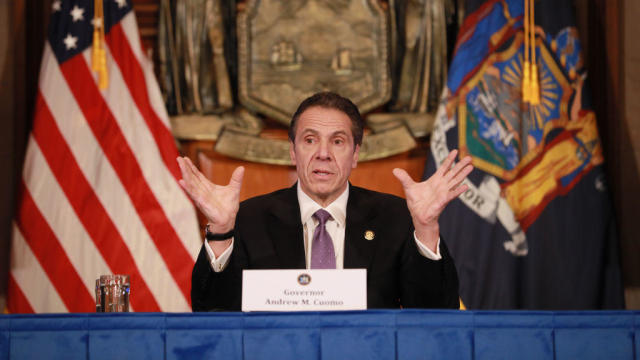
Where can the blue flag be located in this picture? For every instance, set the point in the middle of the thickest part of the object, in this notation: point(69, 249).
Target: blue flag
point(535, 229)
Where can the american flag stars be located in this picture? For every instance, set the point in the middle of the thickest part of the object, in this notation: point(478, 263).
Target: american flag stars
point(77, 13)
point(70, 41)
point(73, 23)
point(56, 6)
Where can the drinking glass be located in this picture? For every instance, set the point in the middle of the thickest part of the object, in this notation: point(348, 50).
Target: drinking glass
point(112, 293)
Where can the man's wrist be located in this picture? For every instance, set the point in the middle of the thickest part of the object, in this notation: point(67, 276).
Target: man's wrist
point(425, 251)
point(212, 236)
point(429, 235)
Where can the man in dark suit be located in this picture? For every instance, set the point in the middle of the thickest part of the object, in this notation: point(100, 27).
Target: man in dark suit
point(324, 222)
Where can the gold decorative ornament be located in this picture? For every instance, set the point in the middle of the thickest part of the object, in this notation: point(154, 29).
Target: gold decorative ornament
point(419, 124)
point(208, 127)
point(244, 146)
point(369, 235)
point(289, 50)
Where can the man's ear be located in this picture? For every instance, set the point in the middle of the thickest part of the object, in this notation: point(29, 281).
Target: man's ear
point(356, 155)
point(292, 152)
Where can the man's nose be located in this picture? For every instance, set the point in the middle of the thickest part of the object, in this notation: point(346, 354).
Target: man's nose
point(323, 150)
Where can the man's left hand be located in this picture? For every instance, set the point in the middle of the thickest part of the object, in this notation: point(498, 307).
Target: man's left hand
point(427, 199)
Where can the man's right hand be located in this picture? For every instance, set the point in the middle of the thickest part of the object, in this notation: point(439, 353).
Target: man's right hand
point(218, 203)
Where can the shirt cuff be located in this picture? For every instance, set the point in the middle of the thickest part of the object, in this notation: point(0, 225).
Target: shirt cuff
point(220, 263)
point(425, 251)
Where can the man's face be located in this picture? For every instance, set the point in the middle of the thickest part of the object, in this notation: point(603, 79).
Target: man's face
point(323, 153)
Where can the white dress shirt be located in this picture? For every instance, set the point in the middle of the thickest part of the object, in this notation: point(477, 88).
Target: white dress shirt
point(335, 228)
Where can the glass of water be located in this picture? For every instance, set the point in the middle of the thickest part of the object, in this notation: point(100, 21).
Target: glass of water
point(112, 293)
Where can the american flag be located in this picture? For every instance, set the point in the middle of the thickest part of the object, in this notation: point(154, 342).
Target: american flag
point(99, 191)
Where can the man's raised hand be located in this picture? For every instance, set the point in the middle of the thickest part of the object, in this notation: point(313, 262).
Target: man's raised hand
point(218, 203)
point(427, 199)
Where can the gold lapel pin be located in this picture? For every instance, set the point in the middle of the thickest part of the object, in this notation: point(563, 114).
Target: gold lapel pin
point(369, 234)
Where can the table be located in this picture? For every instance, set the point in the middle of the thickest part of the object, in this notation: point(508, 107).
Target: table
point(373, 334)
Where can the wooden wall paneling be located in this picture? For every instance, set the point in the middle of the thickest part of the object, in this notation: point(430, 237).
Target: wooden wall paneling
point(609, 27)
point(7, 149)
point(606, 22)
point(36, 22)
point(147, 12)
point(26, 28)
point(629, 194)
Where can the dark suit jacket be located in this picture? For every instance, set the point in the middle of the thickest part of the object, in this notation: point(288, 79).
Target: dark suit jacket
point(269, 235)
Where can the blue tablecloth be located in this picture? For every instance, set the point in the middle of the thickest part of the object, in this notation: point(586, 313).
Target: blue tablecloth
point(393, 334)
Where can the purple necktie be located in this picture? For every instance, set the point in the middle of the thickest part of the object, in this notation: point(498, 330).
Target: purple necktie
point(322, 254)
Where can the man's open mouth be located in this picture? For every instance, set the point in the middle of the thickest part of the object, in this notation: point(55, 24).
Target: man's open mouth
point(322, 172)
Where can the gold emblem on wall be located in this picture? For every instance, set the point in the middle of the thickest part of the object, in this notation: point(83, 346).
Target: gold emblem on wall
point(289, 50)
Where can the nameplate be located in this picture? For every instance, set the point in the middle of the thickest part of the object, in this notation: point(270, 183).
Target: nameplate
point(304, 290)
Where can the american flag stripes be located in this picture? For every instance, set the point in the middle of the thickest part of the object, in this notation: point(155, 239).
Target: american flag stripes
point(99, 191)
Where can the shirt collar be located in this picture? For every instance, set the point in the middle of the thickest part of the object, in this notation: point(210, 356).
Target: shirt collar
point(337, 209)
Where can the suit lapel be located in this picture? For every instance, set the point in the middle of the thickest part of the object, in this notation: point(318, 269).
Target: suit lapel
point(285, 229)
point(358, 251)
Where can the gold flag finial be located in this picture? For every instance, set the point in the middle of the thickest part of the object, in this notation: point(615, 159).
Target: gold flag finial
point(98, 52)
